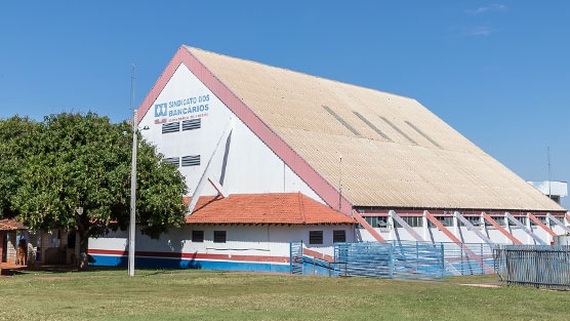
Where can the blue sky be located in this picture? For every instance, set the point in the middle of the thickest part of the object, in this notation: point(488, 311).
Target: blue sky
point(498, 72)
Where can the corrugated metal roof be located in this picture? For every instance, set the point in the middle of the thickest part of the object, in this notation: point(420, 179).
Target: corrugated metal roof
point(397, 154)
point(278, 208)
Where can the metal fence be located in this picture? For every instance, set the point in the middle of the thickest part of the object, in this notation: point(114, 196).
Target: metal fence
point(468, 259)
point(533, 265)
point(404, 260)
point(310, 265)
point(365, 259)
point(296, 257)
point(418, 261)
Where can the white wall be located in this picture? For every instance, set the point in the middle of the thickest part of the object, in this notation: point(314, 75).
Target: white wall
point(267, 240)
point(251, 167)
point(557, 188)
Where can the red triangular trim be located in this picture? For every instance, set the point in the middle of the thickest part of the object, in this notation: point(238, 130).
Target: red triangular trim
point(305, 171)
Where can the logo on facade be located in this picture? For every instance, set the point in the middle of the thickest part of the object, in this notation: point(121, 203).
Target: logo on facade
point(182, 109)
point(161, 110)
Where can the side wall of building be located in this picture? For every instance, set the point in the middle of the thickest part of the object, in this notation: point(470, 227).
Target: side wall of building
point(246, 247)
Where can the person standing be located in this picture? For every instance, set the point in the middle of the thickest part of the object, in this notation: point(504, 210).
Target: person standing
point(22, 249)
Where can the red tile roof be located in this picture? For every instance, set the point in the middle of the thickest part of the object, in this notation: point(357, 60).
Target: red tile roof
point(275, 208)
point(11, 225)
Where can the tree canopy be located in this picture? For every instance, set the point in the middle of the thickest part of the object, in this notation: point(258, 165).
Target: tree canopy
point(49, 169)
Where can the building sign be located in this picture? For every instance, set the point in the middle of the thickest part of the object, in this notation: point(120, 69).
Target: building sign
point(181, 109)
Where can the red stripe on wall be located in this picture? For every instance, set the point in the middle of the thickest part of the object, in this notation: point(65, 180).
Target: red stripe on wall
point(367, 226)
point(307, 173)
point(539, 223)
point(318, 255)
point(501, 229)
point(457, 241)
point(197, 256)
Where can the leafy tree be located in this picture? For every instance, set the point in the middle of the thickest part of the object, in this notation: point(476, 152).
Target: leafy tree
point(16, 135)
point(84, 161)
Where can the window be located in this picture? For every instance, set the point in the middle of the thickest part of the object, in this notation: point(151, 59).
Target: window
point(501, 220)
point(424, 134)
point(219, 236)
point(173, 160)
point(521, 219)
point(339, 236)
point(445, 220)
point(193, 160)
point(543, 220)
point(197, 236)
point(413, 221)
point(315, 237)
point(170, 127)
point(376, 221)
point(342, 121)
point(474, 220)
point(372, 220)
point(191, 124)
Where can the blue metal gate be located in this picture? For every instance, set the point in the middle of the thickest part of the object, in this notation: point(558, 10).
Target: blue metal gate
point(296, 257)
point(401, 260)
point(411, 260)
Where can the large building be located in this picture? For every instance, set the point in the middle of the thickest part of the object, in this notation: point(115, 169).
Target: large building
point(553, 189)
point(273, 156)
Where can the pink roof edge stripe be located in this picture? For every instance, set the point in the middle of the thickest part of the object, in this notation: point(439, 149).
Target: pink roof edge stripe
point(183, 56)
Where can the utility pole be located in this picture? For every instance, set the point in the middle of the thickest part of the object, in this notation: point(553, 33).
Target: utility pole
point(132, 222)
point(340, 183)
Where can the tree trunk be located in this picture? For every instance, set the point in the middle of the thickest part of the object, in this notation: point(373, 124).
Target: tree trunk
point(83, 247)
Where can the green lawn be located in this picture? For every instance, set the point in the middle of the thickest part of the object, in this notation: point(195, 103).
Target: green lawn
point(211, 295)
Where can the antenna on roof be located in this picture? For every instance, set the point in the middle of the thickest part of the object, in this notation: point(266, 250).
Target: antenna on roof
point(133, 79)
point(549, 174)
point(340, 183)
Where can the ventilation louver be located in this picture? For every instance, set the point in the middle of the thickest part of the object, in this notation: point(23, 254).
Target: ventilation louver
point(170, 127)
point(173, 160)
point(191, 124)
point(193, 160)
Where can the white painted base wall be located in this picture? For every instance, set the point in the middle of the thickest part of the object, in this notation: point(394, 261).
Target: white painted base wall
point(247, 244)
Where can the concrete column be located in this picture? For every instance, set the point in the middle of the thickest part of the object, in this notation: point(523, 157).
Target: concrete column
point(549, 224)
point(11, 248)
point(392, 225)
point(483, 225)
point(456, 227)
point(529, 239)
point(507, 228)
point(425, 227)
